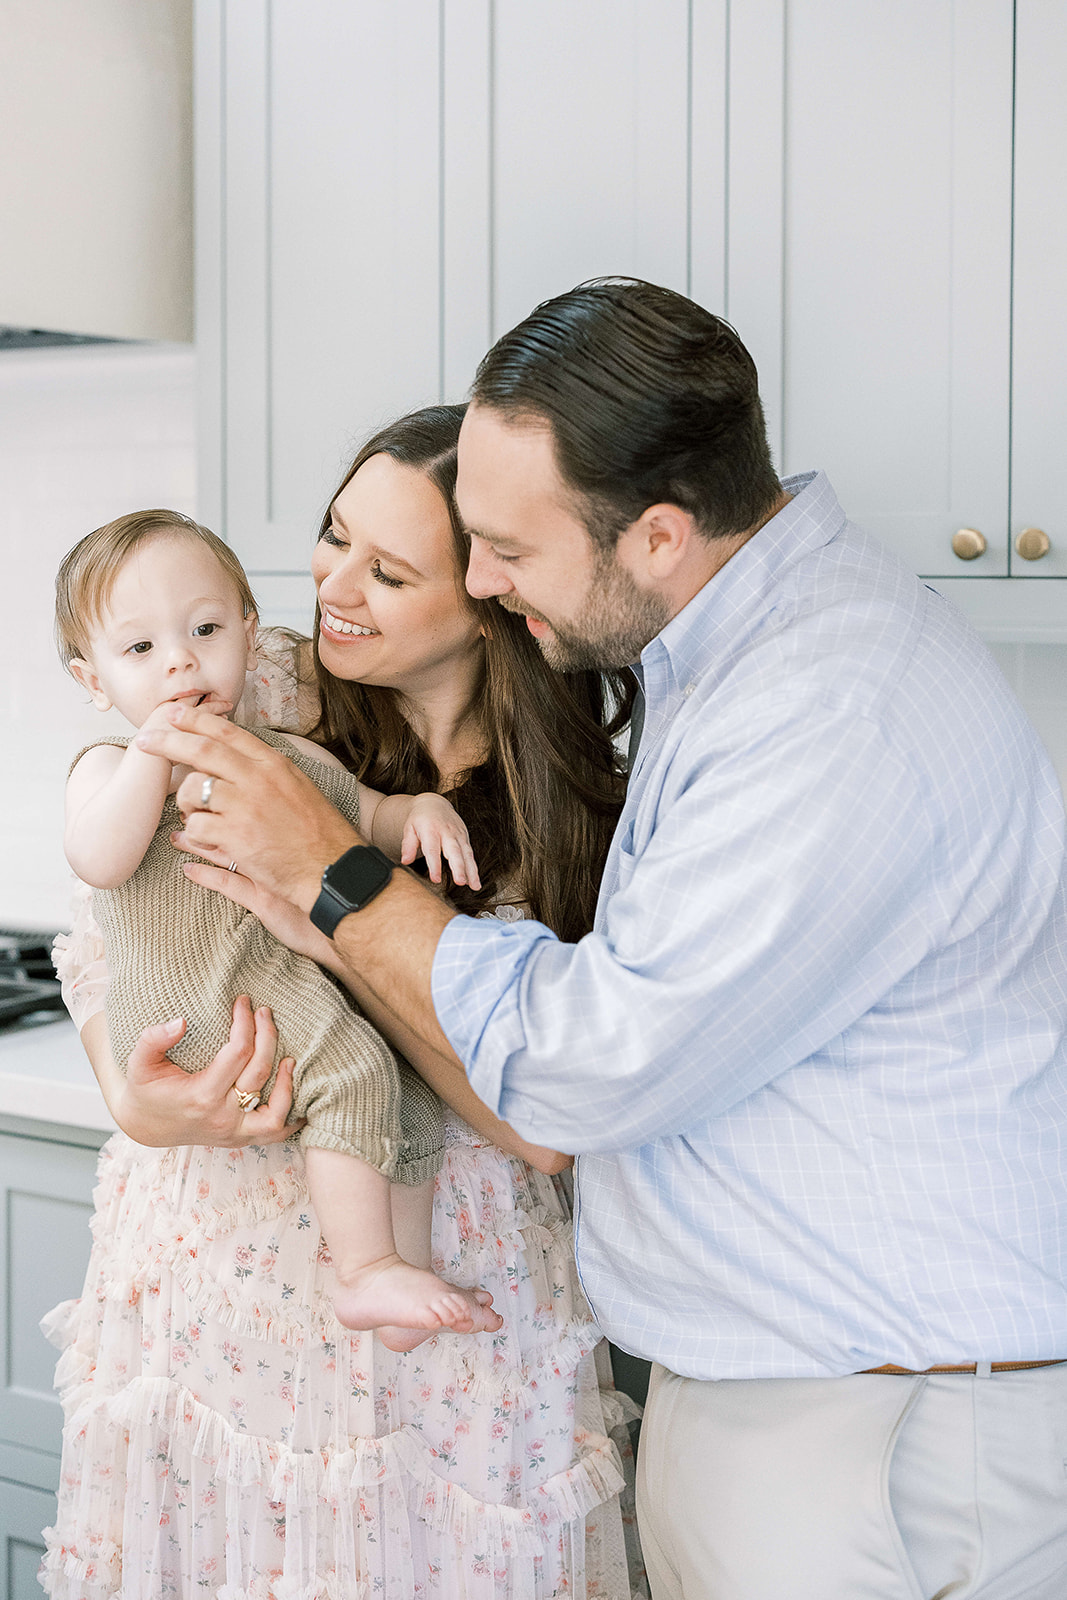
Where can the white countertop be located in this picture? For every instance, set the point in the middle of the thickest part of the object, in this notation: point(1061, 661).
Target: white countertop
point(45, 1075)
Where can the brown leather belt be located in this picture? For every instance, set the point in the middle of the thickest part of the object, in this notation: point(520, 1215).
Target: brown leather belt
point(994, 1366)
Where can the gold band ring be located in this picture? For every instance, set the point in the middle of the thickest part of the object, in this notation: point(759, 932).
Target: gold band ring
point(247, 1102)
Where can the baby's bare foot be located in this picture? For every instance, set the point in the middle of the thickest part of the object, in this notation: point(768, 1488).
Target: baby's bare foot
point(403, 1339)
point(391, 1293)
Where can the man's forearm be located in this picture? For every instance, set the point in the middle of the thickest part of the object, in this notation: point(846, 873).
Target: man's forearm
point(389, 946)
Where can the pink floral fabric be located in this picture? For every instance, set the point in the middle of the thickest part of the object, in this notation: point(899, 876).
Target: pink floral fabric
point(226, 1436)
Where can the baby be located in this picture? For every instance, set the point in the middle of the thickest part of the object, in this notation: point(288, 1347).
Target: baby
point(151, 610)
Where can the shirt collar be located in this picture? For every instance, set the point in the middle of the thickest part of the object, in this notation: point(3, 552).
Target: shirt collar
point(744, 588)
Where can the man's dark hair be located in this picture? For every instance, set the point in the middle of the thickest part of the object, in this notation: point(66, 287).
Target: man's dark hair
point(649, 397)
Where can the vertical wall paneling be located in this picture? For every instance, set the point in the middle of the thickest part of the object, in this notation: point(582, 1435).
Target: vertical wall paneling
point(1039, 409)
point(755, 205)
point(466, 183)
point(707, 153)
point(897, 241)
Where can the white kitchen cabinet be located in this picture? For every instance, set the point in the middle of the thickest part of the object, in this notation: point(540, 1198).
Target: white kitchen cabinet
point(1039, 331)
point(23, 1513)
point(46, 1183)
point(384, 189)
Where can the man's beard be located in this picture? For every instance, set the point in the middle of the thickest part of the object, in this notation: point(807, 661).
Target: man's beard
point(613, 627)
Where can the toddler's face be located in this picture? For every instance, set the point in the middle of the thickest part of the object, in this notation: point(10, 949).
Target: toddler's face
point(172, 630)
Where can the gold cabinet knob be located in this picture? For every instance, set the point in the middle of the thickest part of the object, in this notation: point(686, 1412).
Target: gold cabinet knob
point(968, 544)
point(1033, 543)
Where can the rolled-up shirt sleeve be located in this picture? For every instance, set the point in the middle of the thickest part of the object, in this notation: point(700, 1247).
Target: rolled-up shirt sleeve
point(775, 886)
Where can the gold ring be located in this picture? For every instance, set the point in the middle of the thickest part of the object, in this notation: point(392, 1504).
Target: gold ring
point(247, 1102)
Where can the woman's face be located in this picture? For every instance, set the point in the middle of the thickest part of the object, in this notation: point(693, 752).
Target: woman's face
point(392, 601)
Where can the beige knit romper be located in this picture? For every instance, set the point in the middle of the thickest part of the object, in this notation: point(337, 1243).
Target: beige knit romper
point(175, 949)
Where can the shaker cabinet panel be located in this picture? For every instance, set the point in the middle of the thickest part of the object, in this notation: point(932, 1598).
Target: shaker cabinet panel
point(331, 275)
point(23, 1513)
point(590, 153)
point(1039, 355)
point(45, 1207)
point(896, 303)
point(383, 189)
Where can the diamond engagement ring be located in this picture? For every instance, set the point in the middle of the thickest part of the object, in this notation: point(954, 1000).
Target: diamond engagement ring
point(205, 793)
point(247, 1102)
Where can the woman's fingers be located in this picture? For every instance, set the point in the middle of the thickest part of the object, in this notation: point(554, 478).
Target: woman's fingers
point(149, 1054)
point(270, 1119)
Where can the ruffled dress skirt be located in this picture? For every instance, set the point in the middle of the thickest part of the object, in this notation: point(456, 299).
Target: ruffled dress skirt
point(226, 1437)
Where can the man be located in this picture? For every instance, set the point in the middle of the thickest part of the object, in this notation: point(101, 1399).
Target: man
point(812, 1057)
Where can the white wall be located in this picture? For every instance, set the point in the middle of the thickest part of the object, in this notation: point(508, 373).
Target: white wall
point(85, 435)
point(96, 177)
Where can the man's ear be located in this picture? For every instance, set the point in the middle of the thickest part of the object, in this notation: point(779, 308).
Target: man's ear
point(656, 544)
point(83, 673)
point(251, 631)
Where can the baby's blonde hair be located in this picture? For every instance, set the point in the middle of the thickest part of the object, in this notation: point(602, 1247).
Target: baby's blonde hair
point(87, 573)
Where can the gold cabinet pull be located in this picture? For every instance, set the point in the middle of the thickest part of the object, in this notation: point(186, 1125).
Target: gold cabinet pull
point(1033, 543)
point(968, 544)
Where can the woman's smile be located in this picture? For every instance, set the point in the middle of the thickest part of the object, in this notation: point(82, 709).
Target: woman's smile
point(338, 628)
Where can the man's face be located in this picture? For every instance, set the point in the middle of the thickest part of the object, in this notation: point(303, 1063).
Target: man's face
point(531, 551)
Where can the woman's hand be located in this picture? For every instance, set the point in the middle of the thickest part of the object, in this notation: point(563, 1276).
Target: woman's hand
point(162, 1105)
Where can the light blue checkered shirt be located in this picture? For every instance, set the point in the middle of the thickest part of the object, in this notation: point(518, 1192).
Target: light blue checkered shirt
point(812, 1056)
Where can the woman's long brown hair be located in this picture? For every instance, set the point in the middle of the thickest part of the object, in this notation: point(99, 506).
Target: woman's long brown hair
point(542, 807)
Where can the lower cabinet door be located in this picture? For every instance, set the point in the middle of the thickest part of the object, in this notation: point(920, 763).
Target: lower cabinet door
point(45, 1205)
point(23, 1513)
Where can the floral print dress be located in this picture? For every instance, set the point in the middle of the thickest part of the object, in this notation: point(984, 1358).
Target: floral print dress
point(225, 1436)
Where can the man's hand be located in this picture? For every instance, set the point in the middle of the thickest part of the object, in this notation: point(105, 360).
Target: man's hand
point(162, 1105)
point(280, 917)
point(263, 813)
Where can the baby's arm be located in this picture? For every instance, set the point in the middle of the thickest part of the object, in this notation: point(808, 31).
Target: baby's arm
point(114, 801)
point(407, 826)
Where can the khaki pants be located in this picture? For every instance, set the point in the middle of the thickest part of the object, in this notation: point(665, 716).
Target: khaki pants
point(947, 1487)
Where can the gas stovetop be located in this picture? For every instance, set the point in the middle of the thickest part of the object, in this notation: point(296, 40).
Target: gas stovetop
point(29, 988)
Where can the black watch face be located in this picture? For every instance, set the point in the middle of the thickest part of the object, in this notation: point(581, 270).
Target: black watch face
point(359, 875)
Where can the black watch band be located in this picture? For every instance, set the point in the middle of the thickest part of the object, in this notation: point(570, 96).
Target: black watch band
point(349, 884)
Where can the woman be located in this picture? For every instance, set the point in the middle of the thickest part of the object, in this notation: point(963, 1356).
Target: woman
point(242, 1443)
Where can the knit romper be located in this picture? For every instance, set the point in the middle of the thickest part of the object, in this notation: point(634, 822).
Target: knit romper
point(176, 949)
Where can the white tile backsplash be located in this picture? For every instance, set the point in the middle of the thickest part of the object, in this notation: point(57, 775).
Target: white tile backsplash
point(85, 435)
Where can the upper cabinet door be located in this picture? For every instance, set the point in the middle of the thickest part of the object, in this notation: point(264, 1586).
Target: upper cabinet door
point(1039, 345)
point(319, 263)
point(884, 157)
point(383, 189)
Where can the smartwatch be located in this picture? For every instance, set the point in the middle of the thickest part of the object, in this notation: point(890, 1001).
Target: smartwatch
point(349, 884)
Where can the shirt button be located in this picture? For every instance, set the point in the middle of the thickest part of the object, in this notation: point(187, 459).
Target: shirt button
point(687, 691)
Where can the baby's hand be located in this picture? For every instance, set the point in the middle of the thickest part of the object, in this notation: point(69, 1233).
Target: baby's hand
point(159, 718)
point(435, 829)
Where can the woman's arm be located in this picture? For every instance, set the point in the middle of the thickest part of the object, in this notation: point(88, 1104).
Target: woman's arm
point(97, 1047)
point(440, 1072)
